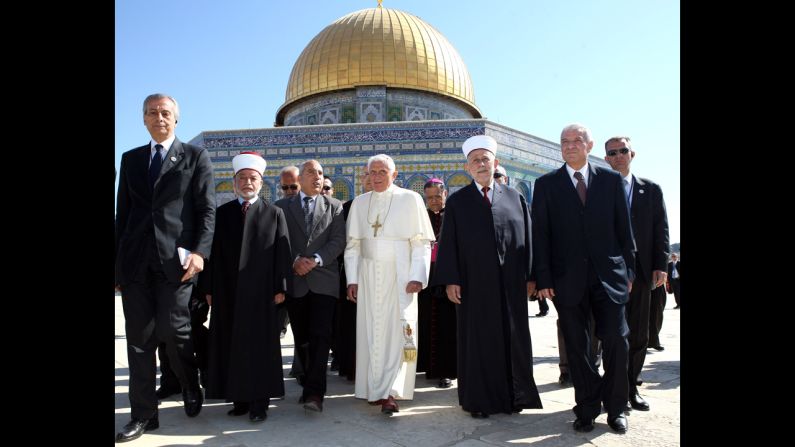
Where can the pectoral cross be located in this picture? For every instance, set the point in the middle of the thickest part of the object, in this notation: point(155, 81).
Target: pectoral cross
point(376, 226)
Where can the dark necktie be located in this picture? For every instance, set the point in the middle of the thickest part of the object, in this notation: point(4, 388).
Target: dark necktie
point(154, 167)
point(307, 215)
point(485, 190)
point(580, 186)
point(246, 205)
point(628, 191)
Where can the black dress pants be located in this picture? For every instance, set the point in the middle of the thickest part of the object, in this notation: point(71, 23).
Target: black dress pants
point(199, 309)
point(656, 310)
point(590, 389)
point(638, 320)
point(311, 318)
point(156, 309)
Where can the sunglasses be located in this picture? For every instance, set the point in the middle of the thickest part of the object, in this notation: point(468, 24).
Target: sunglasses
point(613, 153)
point(498, 175)
point(286, 187)
point(326, 188)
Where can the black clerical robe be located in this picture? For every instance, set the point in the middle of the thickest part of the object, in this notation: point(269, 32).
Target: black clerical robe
point(250, 264)
point(487, 251)
point(436, 353)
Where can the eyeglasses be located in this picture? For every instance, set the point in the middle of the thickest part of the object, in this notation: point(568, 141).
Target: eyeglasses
point(613, 153)
point(286, 187)
point(478, 161)
point(245, 180)
point(498, 175)
point(326, 188)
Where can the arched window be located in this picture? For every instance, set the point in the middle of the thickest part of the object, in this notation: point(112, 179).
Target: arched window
point(416, 184)
point(342, 189)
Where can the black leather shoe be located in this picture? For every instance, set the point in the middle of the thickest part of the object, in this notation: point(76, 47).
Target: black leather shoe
point(257, 417)
point(479, 415)
point(135, 428)
point(638, 403)
point(583, 425)
point(564, 380)
point(658, 348)
point(165, 392)
point(445, 383)
point(239, 409)
point(618, 424)
point(541, 314)
point(193, 400)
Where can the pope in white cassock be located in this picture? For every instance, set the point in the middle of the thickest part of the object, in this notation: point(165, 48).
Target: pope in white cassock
point(387, 260)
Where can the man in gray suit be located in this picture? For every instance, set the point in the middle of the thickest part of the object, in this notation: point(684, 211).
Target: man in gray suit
point(317, 236)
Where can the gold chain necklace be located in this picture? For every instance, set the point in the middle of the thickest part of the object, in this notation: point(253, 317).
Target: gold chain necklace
point(377, 225)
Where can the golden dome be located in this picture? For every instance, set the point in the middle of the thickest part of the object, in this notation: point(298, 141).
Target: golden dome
point(380, 46)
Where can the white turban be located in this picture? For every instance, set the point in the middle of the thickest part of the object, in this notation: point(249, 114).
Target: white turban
point(249, 160)
point(479, 142)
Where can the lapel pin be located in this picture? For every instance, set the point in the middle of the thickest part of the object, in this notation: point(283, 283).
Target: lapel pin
point(640, 191)
point(175, 159)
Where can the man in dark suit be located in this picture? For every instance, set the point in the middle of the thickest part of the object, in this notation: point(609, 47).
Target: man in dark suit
point(164, 230)
point(674, 277)
point(317, 237)
point(485, 260)
point(584, 261)
point(650, 228)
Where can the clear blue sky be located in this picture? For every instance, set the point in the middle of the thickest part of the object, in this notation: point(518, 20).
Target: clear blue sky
point(536, 66)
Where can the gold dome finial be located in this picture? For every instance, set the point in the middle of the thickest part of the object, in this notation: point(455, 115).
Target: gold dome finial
point(379, 3)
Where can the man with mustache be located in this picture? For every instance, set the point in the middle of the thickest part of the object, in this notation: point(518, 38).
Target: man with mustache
point(485, 262)
point(317, 236)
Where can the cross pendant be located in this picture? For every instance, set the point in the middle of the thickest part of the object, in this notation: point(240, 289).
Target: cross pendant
point(376, 226)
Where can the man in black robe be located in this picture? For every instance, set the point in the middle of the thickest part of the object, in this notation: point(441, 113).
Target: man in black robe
point(245, 281)
point(436, 314)
point(485, 260)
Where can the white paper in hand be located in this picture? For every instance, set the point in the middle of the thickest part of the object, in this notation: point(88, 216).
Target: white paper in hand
point(183, 256)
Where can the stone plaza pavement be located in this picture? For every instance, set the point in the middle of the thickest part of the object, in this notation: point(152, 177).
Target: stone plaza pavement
point(433, 418)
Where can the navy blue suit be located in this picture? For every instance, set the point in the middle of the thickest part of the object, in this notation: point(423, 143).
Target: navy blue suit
point(586, 254)
point(650, 228)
